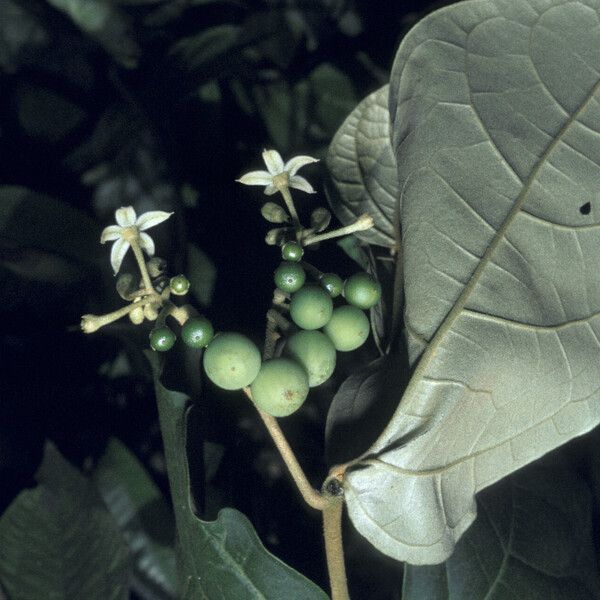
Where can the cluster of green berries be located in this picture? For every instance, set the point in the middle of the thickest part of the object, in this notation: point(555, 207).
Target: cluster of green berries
point(279, 386)
point(197, 331)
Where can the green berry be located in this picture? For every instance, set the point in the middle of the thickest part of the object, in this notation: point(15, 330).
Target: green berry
point(362, 290)
point(280, 388)
point(311, 307)
point(315, 352)
point(289, 277)
point(292, 251)
point(197, 332)
point(162, 339)
point(179, 285)
point(348, 328)
point(332, 283)
point(231, 361)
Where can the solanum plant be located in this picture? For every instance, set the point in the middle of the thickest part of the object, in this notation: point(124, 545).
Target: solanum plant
point(277, 385)
point(474, 175)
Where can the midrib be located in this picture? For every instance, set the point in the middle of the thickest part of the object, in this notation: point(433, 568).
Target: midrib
point(457, 309)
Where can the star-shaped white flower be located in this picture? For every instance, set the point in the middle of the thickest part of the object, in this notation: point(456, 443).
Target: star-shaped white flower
point(131, 227)
point(276, 167)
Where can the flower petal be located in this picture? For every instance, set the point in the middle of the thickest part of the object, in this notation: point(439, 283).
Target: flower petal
point(147, 244)
point(273, 161)
point(299, 183)
point(110, 234)
point(117, 254)
point(125, 216)
point(256, 178)
point(151, 218)
point(297, 162)
point(270, 190)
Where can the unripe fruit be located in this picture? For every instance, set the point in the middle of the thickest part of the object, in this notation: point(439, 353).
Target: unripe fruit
point(292, 251)
point(162, 339)
point(311, 307)
point(280, 388)
point(289, 277)
point(362, 290)
point(197, 332)
point(315, 352)
point(332, 283)
point(179, 285)
point(231, 361)
point(348, 328)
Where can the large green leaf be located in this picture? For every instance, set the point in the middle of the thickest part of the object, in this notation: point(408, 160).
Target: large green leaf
point(495, 119)
point(143, 516)
point(221, 559)
point(532, 539)
point(362, 167)
point(58, 542)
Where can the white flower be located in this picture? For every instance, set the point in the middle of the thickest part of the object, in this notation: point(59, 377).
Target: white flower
point(276, 167)
point(131, 228)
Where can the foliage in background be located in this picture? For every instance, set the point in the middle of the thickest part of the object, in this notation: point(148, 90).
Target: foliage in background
point(162, 105)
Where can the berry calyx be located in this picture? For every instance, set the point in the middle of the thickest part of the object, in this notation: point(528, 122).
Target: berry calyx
point(197, 332)
point(348, 328)
point(280, 388)
point(362, 290)
point(162, 339)
point(292, 251)
point(289, 277)
point(311, 307)
point(179, 285)
point(315, 352)
point(231, 361)
point(332, 283)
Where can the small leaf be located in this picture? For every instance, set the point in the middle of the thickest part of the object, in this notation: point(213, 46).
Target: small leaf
point(145, 519)
point(532, 539)
point(362, 167)
point(58, 541)
point(352, 246)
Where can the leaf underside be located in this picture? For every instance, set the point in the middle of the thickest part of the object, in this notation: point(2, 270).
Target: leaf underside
point(495, 120)
point(362, 167)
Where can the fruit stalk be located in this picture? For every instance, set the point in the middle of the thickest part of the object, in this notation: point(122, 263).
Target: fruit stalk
point(311, 496)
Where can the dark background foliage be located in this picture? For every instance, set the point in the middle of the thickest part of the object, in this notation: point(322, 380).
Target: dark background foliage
point(161, 105)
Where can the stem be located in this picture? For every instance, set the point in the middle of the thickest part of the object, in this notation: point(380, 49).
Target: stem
point(311, 496)
point(139, 256)
point(91, 323)
point(361, 224)
point(334, 550)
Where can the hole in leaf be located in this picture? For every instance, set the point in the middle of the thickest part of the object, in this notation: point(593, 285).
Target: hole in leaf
point(585, 209)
